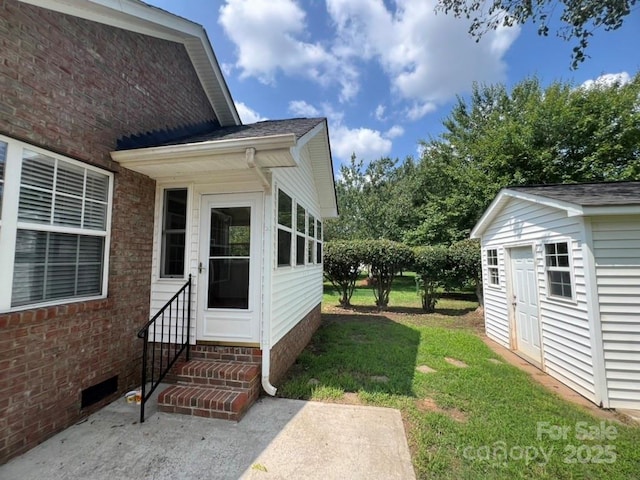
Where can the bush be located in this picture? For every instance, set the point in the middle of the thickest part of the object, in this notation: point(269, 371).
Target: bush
point(342, 260)
point(465, 266)
point(385, 258)
point(430, 264)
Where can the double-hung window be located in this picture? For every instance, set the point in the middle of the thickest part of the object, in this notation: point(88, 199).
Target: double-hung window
point(311, 239)
point(55, 225)
point(301, 230)
point(285, 228)
point(319, 242)
point(493, 273)
point(556, 259)
point(174, 228)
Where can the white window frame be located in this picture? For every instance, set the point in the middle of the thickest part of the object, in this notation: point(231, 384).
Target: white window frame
point(319, 242)
point(549, 269)
point(9, 224)
point(493, 268)
point(285, 228)
point(302, 234)
point(161, 263)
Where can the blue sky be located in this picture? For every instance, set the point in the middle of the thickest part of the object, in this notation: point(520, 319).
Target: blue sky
point(385, 73)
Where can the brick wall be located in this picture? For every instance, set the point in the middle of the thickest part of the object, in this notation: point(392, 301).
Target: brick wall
point(74, 87)
point(285, 352)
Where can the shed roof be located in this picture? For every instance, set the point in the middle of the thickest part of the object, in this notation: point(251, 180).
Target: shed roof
point(588, 194)
point(579, 199)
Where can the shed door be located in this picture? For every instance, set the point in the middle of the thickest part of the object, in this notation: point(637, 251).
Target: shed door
point(229, 268)
point(525, 303)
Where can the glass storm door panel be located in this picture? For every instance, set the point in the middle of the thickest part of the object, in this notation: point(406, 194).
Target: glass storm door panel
point(229, 278)
point(229, 258)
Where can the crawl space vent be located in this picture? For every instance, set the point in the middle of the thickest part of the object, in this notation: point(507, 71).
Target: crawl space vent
point(99, 391)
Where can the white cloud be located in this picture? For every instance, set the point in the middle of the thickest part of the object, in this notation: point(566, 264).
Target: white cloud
point(247, 114)
point(394, 132)
point(429, 58)
point(608, 80)
point(303, 109)
point(419, 110)
point(366, 143)
point(271, 37)
point(379, 113)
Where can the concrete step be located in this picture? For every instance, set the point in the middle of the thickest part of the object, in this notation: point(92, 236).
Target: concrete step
point(205, 401)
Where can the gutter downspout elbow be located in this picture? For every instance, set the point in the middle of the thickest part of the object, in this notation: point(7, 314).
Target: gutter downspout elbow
point(266, 364)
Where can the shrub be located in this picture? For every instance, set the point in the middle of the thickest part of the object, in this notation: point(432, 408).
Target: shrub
point(385, 258)
point(465, 266)
point(430, 264)
point(342, 260)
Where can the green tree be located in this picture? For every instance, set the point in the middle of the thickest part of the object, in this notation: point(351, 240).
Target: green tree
point(464, 267)
point(579, 18)
point(529, 135)
point(372, 200)
point(385, 259)
point(341, 264)
point(430, 264)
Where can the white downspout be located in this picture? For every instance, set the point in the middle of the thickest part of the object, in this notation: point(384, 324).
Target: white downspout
point(267, 247)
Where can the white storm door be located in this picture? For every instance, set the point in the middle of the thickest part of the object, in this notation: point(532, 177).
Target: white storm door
point(229, 286)
point(525, 303)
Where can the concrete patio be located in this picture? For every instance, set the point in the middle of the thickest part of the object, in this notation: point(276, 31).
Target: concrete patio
point(277, 439)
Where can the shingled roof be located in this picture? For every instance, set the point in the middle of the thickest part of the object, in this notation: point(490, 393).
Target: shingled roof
point(209, 132)
point(588, 194)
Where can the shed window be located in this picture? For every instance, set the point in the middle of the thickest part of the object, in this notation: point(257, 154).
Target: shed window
point(492, 267)
point(558, 270)
point(55, 246)
point(174, 229)
point(285, 228)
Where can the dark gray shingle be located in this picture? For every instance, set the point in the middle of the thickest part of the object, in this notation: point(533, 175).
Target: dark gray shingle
point(588, 194)
point(267, 128)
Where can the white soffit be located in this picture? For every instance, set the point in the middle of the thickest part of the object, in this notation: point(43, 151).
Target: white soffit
point(208, 157)
point(141, 18)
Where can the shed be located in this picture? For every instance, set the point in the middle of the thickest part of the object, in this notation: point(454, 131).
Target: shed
point(561, 275)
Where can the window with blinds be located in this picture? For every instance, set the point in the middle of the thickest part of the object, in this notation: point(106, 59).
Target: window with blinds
point(59, 241)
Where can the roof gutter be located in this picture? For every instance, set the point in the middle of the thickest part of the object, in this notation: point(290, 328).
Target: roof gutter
point(211, 147)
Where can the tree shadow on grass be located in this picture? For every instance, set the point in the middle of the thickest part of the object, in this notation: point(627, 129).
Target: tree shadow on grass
point(372, 309)
point(356, 353)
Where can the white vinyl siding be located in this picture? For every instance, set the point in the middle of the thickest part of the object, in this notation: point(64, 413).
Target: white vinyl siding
point(162, 289)
point(296, 291)
point(54, 235)
point(564, 323)
point(616, 248)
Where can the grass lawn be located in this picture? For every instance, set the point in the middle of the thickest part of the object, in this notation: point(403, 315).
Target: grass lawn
point(483, 421)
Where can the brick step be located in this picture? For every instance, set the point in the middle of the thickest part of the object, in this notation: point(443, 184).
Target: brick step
point(209, 402)
point(217, 373)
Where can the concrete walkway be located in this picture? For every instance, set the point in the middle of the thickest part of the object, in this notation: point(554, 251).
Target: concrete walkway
point(277, 439)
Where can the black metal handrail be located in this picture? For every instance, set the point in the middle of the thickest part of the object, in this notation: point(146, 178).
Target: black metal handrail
point(167, 321)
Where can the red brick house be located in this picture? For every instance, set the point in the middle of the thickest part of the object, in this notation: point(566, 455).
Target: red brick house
point(124, 171)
